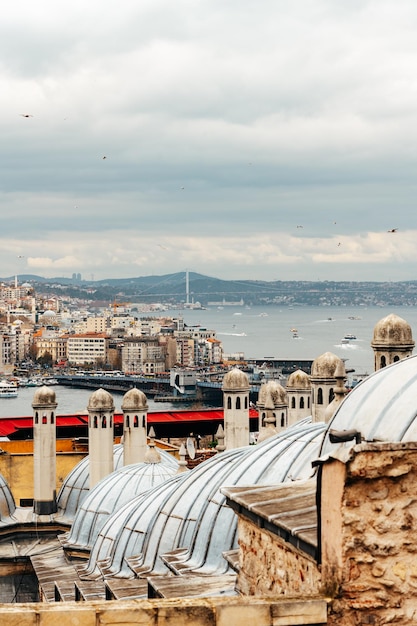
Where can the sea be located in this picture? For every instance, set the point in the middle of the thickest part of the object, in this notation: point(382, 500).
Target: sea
point(270, 332)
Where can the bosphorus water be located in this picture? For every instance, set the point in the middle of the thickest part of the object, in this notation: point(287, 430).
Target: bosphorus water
point(260, 333)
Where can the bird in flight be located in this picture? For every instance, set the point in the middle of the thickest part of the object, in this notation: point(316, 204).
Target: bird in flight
point(25, 115)
point(392, 230)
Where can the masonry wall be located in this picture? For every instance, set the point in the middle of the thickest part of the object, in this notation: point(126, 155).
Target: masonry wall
point(371, 566)
point(271, 567)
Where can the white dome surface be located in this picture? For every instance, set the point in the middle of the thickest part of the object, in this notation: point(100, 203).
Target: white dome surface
point(110, 494)
point(190, 512)
point(75, 487)
point(383, 407)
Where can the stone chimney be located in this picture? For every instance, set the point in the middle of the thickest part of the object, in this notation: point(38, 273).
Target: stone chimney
point(135, 413)
point(44, 451)
point(100, 435)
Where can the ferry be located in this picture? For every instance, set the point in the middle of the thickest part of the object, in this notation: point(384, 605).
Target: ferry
point(7, 390)
point(349, 336)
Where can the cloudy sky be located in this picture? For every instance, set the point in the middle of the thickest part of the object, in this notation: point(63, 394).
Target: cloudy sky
point(243, 139)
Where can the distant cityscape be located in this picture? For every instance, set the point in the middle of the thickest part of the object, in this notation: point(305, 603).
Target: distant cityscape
point(190, 288)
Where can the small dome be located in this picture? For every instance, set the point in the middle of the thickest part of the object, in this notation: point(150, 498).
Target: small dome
point(392, 330)
point(100, 399)
point(44, 395)
point(49, 313)
point(235, 380)
point(325, 365)
point(272, 391)
point(298, 380)
point(134, 400)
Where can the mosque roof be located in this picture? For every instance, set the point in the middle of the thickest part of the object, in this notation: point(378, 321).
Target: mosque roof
point(189, 511)
point(110, 494)
point(7, 504)
point(75, 487)
point(382, 407)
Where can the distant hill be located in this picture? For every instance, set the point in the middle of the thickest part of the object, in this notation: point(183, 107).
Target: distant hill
point(171, 289)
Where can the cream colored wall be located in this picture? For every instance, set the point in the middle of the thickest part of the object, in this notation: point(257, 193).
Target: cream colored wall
point(17, 470)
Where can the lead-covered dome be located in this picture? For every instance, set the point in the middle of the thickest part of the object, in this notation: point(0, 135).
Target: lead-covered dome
point(298, 380)
point(235, 380)
point(110, 494)
point(44, 395)
point(383, 407)
point(189, 511)
point(134, 400)
point(325, 365)
point(7, 504)
point(100, 399)
point(392, 330)
point(75, 487)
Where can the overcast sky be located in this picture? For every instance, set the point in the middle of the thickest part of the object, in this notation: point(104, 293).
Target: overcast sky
point(243, 139)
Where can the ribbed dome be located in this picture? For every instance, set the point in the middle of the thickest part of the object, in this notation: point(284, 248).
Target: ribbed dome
point(235, 380)
point(392, 330)
point(325, 365)
point(298, 380)
point(44, 395)
point(383, 407)
point(100, 399)
point(189, 510)
point(134, 400)
point(7, 505)
point(110, 494)
point(75, 487)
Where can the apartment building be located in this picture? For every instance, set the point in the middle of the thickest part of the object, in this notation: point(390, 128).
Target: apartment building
point(86, 348)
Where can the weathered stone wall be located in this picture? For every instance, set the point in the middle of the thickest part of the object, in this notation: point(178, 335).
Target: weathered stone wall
point(174, 612)
point(270, 566)
point(374, 578)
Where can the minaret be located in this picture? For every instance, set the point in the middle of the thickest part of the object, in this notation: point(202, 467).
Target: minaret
point(44, 451)
point(236, 409)
point(100, 435)
point(135, 412)
point(392, 341)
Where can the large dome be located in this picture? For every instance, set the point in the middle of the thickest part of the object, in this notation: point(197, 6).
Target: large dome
point(383, 407)
point(75, 488)
point(7, 504)
point(110, 494)
point(325, 365)
point(392, 330)
point(189, 511)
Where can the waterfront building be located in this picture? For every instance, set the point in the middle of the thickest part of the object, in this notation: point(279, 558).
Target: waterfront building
point(87, 348)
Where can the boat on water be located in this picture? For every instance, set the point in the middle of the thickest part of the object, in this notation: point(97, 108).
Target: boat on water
point(7, 390)
point(349, 336)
